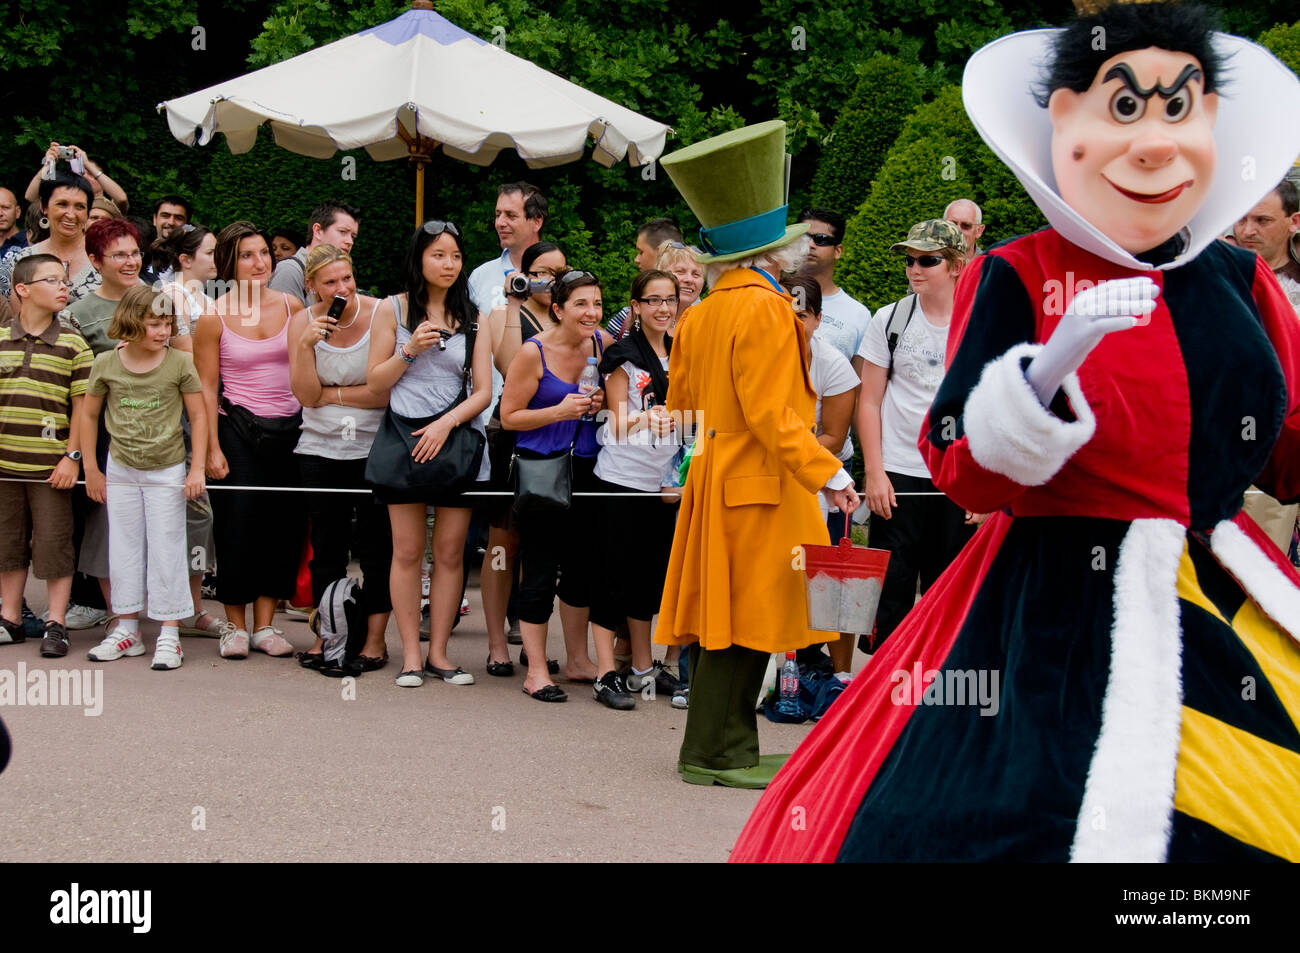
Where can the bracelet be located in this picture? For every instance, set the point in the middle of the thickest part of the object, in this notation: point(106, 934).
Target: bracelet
point(340, 390)
point(454, 421)
point(407, 357)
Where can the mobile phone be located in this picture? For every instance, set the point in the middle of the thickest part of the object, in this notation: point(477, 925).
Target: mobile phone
point(335, 311)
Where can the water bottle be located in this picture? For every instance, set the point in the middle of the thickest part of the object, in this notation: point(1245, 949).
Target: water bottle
point(788, 703)
point(589, 382)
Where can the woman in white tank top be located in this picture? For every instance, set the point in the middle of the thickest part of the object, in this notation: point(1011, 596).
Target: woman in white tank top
point(340, 414)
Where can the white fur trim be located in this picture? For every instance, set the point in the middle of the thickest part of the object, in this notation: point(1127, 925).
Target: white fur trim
point(1012, 433)
point(1128, 800)
point(1276, 595)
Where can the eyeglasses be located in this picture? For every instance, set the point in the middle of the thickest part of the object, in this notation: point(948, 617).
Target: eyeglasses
point(57, 282)
point(822, 239)
point(435, 228)
point(655, 302)
point(925, 261)
point(118, 257)
point(542, 273)
point(569, 277)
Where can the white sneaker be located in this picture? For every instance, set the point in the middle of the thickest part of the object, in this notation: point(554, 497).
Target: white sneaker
point(117, 643)
point(84, 617)
point(234, 642)
point(167, 654)
point(272, 641)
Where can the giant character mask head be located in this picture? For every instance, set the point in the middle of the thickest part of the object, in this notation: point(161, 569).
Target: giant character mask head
point(1133, 151)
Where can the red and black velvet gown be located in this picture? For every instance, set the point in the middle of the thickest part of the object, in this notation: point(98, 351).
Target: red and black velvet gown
point(1142, 631)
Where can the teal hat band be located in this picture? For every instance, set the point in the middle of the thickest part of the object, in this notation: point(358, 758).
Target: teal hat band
point(744, 234)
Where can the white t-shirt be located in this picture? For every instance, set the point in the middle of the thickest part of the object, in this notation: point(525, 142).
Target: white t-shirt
point(487, 283)
point(641, 460)
point(831, 374)
point(844, 322)
point(918, 371)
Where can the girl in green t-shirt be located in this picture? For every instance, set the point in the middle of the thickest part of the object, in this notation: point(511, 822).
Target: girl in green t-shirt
point(142, 384)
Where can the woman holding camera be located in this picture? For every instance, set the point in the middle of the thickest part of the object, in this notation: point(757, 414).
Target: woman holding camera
point(418, 345)
point(525, 314)
point(543, 402)
point(328, 356)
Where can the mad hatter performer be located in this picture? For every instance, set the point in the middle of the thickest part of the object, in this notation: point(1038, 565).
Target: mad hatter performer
point(1110, 670)
point(739, 366)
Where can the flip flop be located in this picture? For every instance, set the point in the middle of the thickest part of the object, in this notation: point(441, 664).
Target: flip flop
point(548, 693)
point(312, 660)
point(500, 669)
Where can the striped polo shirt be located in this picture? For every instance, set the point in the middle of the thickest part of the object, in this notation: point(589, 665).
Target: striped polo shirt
point(39, 376)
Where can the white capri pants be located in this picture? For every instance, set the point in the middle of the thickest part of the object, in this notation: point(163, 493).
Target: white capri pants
point(146, 541)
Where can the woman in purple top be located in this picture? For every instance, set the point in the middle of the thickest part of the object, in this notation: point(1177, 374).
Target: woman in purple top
point(542, 402)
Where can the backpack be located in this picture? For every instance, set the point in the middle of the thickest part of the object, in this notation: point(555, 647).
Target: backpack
point(342, 626)
point(895, 328)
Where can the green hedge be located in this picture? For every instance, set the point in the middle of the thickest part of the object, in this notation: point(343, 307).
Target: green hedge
point(937, 157)
point(867, 126)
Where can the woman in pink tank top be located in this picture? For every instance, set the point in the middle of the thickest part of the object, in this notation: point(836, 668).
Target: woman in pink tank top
point(241, 352)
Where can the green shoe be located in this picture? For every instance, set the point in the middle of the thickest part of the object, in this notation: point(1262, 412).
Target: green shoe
point(756, 777)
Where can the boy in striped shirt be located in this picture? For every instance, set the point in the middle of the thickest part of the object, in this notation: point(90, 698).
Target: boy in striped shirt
point(44, 369)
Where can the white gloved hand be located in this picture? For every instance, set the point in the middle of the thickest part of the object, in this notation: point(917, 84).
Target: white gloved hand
point(1107, 306)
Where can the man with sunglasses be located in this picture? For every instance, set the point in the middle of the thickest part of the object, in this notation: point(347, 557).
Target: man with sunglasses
point(844, 318)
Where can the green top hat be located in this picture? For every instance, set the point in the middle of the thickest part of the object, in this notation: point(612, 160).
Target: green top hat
point(735, 185)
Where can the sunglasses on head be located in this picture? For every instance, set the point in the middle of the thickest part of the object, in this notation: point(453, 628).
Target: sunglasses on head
point(925, 261)
point(435, 228)
point(822, 239)
point(569, 277)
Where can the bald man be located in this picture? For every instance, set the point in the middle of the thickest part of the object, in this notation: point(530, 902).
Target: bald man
point(967, 216)
point(10, 211)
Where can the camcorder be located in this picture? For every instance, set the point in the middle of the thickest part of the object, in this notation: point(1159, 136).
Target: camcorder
point(519, 285)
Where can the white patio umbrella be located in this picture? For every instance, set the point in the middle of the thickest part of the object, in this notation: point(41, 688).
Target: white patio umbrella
point(409, 86)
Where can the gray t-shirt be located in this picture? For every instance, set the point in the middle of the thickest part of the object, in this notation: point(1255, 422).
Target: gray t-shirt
point(290, 277)
point(144, 410)
point(93, 315)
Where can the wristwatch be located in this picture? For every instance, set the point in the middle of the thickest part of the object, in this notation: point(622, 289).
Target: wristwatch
point(74, 456)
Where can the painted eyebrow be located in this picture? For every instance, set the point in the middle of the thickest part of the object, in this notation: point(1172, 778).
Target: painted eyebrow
point(1124, 72)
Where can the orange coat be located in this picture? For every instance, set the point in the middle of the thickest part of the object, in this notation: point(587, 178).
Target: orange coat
point(740, 365)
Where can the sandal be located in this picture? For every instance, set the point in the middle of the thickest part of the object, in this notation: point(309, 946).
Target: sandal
point(547, 693)
point(552, 664)
point(366, 663)
point(312, 660)
point(501, 669)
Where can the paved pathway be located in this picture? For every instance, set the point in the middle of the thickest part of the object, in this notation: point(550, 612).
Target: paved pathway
point(259, 760)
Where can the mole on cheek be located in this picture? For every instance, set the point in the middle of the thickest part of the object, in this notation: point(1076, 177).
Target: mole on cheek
point(1077, 154)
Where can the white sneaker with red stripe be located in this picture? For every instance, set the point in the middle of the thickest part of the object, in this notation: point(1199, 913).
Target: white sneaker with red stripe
point(117, 643)
point(167, 654)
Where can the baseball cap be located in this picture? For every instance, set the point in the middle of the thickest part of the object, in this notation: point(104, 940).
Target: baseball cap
point(931, 235)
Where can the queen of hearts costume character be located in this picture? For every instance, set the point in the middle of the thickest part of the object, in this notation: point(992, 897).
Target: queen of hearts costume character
point(1110, 670)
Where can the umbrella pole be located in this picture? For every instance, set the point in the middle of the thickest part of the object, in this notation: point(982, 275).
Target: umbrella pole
point(419, 191)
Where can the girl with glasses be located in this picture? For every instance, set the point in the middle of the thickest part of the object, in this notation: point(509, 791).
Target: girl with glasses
point(638, 443)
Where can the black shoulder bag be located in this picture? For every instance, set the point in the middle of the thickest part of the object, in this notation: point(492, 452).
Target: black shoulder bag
point(545, 482)
point(455, 467)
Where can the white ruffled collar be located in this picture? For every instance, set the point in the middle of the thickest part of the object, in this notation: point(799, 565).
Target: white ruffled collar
point(1256, 136)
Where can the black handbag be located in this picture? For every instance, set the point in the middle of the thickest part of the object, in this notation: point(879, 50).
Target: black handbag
point(543, 482)
point(454, 469)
